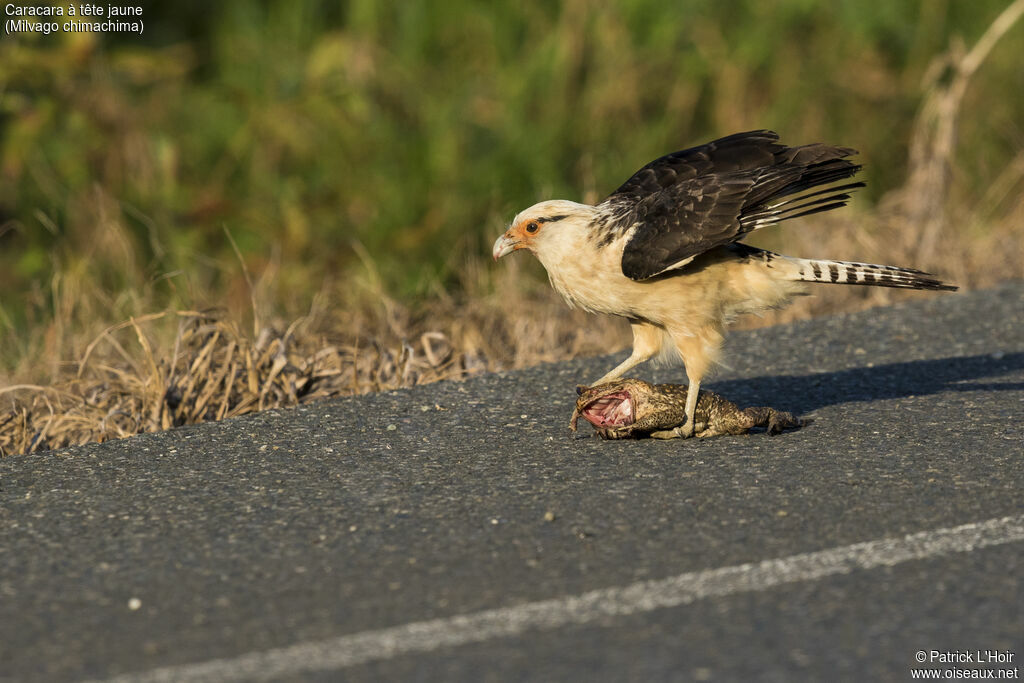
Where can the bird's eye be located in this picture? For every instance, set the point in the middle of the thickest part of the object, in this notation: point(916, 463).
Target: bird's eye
point(532, 226)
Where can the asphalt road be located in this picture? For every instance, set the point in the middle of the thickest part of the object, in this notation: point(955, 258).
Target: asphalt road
point(456, 531)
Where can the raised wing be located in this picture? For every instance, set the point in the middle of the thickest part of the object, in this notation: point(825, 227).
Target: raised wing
point(690, 201)
point(733, 153)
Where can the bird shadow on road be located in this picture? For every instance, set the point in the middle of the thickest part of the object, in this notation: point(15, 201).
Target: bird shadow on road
point(806, 393)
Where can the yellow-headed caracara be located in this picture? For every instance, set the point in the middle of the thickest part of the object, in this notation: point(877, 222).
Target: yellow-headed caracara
point(663, 250)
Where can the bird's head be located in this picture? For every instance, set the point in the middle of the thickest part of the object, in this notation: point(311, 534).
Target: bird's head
point(540, 223)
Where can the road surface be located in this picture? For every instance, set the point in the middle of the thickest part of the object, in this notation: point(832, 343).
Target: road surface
point(457, 532)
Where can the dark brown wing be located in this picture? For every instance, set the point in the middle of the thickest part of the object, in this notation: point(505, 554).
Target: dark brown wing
point(690, 201)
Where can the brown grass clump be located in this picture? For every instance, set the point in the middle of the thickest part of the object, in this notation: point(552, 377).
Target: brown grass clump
point(213, 372)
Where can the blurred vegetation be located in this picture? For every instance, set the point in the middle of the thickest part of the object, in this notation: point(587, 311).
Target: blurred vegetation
point(396, 138)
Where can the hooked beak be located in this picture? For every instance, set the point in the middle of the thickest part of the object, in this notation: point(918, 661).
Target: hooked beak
point(503, 245)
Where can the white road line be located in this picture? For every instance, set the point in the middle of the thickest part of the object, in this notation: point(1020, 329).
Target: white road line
point(425, 636)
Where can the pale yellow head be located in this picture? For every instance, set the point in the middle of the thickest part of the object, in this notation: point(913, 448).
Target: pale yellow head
point(541, 224)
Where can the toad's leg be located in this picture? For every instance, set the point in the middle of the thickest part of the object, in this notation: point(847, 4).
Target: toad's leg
point(774, 421)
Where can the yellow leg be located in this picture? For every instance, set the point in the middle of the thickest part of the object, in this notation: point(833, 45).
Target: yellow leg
point(686, 431)
point(697, 352)
point(647, 339)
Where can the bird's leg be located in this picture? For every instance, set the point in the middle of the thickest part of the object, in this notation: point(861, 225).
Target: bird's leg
point(698, 351)
point(686, 431)
point(619, 370)
point(647, 340)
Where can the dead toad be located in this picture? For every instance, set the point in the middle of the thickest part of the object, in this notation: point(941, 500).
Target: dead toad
point(632, 408)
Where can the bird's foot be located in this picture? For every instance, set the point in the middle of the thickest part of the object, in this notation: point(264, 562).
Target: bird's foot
point(682, 432)
point(686, 431)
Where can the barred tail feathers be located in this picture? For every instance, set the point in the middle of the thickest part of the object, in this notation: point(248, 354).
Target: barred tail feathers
point(841, 272)
point(851, 273)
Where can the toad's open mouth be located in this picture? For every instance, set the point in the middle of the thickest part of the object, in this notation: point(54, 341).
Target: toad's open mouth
point(611, 410)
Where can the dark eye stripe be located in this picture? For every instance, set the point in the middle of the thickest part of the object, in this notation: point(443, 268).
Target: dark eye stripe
point(549, 219)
